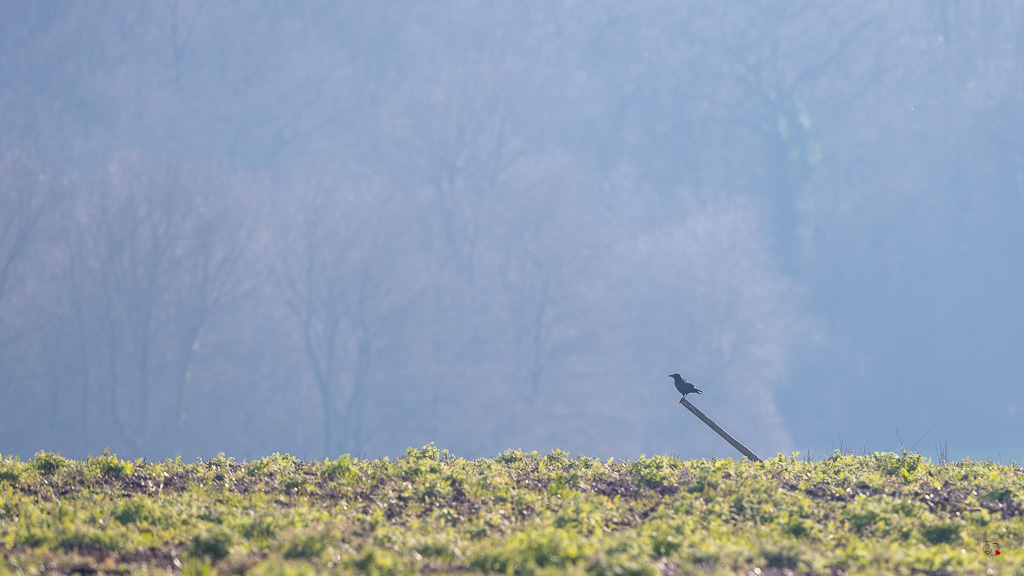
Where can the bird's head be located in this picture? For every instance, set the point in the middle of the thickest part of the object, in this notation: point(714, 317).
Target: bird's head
point(676, 375)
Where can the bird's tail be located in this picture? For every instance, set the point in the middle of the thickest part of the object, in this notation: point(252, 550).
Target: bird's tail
point(697, 391)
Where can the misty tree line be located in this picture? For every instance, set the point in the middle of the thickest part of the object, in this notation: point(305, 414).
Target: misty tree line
point(132, 294)
point(353, 228)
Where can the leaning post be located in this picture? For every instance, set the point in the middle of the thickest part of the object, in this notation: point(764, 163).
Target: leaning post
point(711, 423)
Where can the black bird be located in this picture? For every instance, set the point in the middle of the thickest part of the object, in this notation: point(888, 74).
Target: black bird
point(683, 386)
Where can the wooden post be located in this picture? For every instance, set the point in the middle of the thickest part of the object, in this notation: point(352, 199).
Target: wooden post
point(711, 423)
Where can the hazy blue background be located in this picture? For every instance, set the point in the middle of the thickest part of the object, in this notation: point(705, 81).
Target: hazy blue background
point(353, 227)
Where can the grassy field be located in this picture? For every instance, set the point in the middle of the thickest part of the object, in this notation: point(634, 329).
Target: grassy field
point(520, 513)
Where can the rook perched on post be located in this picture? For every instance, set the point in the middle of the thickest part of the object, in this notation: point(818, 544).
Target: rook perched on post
point(683, 386)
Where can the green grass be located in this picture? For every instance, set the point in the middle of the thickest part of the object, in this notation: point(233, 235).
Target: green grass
point(519, 513)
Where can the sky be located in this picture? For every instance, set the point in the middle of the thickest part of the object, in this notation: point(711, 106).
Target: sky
point(353, 227)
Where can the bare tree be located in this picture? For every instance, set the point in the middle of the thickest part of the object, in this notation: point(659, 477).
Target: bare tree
point(775, 83)
point(156, 251)
point(215, 262)
point(350, 274)
point(459, 142)
point(31, 199)
point(26, 195)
